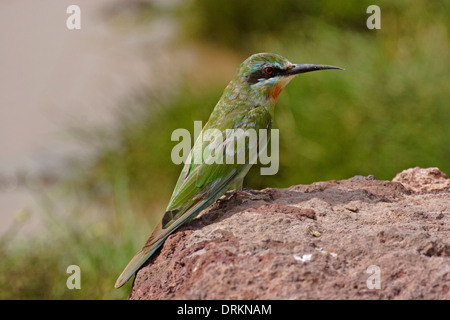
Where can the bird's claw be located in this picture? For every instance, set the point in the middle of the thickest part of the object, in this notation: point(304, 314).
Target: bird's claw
point(249, 194)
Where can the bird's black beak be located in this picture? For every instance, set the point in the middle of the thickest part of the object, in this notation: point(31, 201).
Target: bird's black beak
point(302, 68)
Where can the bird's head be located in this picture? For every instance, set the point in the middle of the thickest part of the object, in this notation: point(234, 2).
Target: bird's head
point(266, 74)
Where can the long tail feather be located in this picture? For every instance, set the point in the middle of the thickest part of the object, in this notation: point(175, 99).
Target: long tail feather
point(138, 260)
point(159, 235)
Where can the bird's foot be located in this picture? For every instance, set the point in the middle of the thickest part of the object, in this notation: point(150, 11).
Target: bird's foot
point(226, 197)
point(249, 194)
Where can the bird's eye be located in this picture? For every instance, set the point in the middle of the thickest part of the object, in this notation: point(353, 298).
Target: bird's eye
point(268, 70)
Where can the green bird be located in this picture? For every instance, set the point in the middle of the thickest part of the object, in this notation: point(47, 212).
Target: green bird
point(247, 103)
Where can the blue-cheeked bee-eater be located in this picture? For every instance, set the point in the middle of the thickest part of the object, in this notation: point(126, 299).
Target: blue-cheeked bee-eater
point(247, 103)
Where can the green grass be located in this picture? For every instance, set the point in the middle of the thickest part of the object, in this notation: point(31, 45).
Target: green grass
point(99, 238)
point(388, 111)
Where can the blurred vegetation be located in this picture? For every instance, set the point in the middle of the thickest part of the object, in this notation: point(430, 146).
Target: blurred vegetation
point(388, 111)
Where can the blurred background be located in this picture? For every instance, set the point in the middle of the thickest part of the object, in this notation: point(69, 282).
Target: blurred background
point(86, 115)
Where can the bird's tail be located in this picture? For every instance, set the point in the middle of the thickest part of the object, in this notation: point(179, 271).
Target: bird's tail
point(159, 235)
point(138, 260)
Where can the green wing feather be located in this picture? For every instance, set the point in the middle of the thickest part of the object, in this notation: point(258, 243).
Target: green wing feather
point(200, 181)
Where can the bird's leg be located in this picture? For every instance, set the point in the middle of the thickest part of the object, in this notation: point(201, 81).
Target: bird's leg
point(246, 193)
point(235, 187)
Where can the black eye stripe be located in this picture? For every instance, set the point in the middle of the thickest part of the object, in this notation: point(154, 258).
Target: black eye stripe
point(261, 74)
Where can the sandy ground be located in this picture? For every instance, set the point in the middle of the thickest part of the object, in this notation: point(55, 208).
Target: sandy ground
point(53, 78)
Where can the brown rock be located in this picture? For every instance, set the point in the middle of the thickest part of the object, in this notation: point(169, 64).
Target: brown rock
point(255, 249)
point(418, 179)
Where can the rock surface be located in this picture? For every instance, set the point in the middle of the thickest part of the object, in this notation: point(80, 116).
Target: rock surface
point(359, 238)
